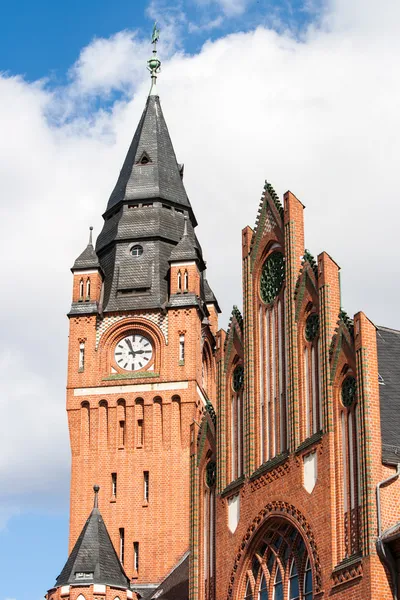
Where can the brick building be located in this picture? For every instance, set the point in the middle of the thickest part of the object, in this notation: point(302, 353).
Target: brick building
point(257, 463)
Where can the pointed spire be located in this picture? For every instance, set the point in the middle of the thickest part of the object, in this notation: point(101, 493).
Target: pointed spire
point(88, 258)
point(185, 250)
point(154, 63)
point(93, 555)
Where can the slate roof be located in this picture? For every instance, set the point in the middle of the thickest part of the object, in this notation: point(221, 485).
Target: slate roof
point(209, 295)
point(87, 260)
point(160, 177)
point(176, 585)
point(93, 553)
point(388, 341)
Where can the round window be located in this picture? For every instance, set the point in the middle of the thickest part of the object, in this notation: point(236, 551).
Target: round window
point(238, 378)
point(137, 250)
point(349, 390)
point(272, 276)
point(312, 327)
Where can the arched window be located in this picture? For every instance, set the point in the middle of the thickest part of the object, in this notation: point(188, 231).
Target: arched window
point(87, 288)
point(85, 423)
point(209, 528)
point(81, 289)
point(186, 281)
point(176, 420)
point(311, 379)
point(277, 563)
point(121, 423)
point(237, 422)
point(103, 424)
point(139, 418)
point(350, 466)
point(157, 419)
point(272, 357)
point(179, 280)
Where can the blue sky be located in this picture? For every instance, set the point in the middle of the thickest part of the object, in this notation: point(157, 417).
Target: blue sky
point(286, 83)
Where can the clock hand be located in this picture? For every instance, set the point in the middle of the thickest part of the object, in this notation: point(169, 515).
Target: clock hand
point(128, 343)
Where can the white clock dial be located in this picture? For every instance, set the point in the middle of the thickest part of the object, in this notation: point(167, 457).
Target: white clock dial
point(133, 352)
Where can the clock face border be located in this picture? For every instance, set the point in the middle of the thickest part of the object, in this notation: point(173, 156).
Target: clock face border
point(125, 348)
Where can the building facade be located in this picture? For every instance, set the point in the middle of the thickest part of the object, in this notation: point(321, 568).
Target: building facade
point(257, 463)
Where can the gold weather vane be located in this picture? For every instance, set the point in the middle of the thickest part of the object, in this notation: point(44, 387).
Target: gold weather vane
point(154, 63)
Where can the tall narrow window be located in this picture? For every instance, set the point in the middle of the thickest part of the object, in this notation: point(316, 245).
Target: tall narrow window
point(181, 347)
point(274, 394)
point(81, 289)
point(239, 435)
point(268, 384)
point(114, 484)
point(262, 404)
point(121, 423)
point(233, 436)
point(81, 356)
point(294, 593)
point(146, 486)
point(278, 586)
point(307, 585)
point(179, 281)
point(122, 545)
point(186, 281)
point(88, 288)
point(351, 461)
point(136, 557)
point(85, 423)
point(282, 408)
point(344, 462)
point(139, 433)
point(307, 392)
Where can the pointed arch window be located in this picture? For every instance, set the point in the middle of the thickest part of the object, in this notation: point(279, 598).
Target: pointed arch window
point(350, 467)
point(185, 281)
point(280, 568)
point(179, 281)
point(272, 357)
point(237, 422)
point(81, 289)
point(88, 288)
point(311, 377)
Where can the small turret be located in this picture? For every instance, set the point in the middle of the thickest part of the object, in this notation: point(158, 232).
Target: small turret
point(88, 281)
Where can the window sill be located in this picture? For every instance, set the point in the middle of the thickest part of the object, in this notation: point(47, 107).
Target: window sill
point(145, 504)
point(113, 499)
point(121, 447)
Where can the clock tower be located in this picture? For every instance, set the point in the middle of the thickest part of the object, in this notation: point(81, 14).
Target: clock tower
point(141, 369)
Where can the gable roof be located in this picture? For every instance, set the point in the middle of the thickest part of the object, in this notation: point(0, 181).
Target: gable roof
point(160, 176)
point(388, 342)
point(93, 553)
point(176, 585)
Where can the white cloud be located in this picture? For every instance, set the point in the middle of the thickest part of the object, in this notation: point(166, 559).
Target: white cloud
point(319, 116)
point(230, 8)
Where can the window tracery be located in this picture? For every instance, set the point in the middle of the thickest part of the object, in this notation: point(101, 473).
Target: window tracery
point(311, 376)
point(272, 358)
point(350, 467)
point(281, 567)
point(237, 422)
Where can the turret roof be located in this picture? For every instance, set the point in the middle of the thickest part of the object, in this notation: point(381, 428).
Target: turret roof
point(93, 558)
point(88, 258)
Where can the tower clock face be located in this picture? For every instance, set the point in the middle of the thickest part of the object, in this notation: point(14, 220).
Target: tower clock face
point(133, 352)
